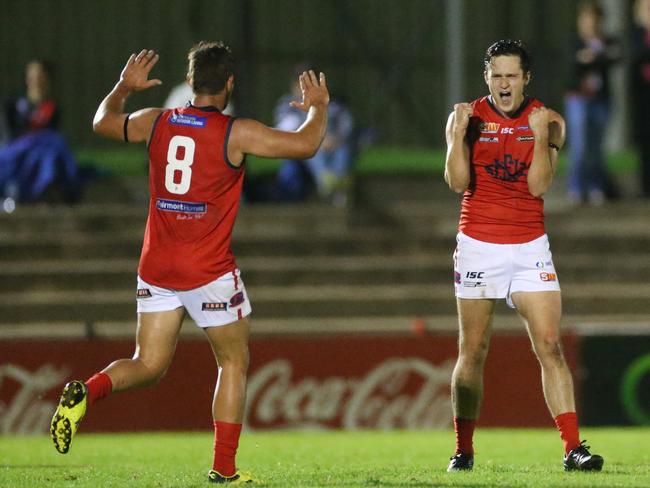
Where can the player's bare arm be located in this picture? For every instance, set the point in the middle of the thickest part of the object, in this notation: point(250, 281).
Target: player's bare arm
point(457, 161)
point(251, 137)
point(109, 120)
point(548, 128)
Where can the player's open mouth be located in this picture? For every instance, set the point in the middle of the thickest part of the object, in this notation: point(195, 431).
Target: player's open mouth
point(505, 96)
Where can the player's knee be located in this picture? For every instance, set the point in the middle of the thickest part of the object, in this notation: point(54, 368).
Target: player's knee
point(154, 370)
point(549, 348)
point(238, 358)
point(473, 352)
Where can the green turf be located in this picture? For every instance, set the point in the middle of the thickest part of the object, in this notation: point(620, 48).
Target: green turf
point(505, 458)
point(132, 160)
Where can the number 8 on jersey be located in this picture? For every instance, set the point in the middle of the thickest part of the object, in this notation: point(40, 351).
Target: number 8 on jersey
point(183, 165)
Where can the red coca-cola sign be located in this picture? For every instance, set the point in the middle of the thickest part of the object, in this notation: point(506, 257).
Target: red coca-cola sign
point(349, 381)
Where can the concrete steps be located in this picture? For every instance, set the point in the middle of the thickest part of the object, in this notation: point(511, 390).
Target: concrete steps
point(315, 267)
point(313, 301)
point(418, 268)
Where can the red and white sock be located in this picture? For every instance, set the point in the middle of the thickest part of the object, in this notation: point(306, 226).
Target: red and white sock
point(567, 424)
point(226, 440)
point(99, 386)
point(464, 429)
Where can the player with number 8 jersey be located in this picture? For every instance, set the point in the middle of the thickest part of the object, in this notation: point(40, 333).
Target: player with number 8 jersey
point(189, 229)
point(196, 161)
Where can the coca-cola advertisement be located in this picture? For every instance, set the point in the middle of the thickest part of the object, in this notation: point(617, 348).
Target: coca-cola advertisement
point(322, 382)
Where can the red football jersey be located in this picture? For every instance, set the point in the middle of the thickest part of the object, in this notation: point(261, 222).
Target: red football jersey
point(497, 206)
point(194, 198)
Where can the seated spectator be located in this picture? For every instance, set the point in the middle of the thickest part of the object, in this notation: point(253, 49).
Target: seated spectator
point(327, 171)
point(35, 155)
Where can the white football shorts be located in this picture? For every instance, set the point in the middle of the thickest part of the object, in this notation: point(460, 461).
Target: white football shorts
point(486, 270)
point(220, 302)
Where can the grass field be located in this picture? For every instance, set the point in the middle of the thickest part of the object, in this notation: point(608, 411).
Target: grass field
point(505, 458)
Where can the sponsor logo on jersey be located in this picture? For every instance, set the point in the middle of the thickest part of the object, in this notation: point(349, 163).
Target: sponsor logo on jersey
point(237, 299)
point(541, 264)
point(187, 120)
point(488, 139)
point(525, 138)
point(178, 206)
point(214, 306)
point(489, 127)
point(507, 130)
point(508, 170)
point(475, 274)
point(143, 293)
point(548, 276)
point(523, 127)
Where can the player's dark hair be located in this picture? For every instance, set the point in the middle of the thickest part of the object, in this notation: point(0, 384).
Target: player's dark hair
point(210, 66)
point(508, 47)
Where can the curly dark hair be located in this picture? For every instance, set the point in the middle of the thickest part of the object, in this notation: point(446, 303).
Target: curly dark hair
point(210, 66)
point(508, 47)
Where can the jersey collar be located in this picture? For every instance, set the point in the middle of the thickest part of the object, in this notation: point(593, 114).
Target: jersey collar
point(515, 115)
point(207, 108)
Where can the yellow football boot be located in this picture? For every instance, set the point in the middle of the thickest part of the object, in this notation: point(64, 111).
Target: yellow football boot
point(236, 479)
point(68, 415)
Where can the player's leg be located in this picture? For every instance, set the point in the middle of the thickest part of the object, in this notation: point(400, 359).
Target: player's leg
point(475, 324)
point(230, 346)
point(595, 167)
point(156, 340)
point(576, 118)
point(221, 308)
point(541, 312)
point(155, 344)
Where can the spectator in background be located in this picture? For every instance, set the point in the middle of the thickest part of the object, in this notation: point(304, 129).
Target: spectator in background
point(640, 78)
point(36, 109)
point(328, 169)
point(587, 105)
point(36, 155)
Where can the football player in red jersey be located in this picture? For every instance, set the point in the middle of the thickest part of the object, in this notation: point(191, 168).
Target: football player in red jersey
point(502, 153)
point(196, 162)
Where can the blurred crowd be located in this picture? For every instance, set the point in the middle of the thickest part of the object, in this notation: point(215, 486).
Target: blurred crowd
point(588, 103)
point(36, 163)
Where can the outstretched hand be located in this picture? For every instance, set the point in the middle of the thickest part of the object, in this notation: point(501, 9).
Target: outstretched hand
point(135, 75)
point(314, 91)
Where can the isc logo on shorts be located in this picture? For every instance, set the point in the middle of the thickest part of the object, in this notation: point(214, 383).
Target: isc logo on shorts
point(143, 293)
point(214, 306)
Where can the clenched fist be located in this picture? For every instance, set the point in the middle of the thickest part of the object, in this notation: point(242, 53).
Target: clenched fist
point(462, 114)
point(538, 120)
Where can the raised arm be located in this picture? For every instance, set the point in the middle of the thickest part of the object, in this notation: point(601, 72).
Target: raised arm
point(457, 173)
point(549, 131)
point(251, 137)
point(110, 119)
